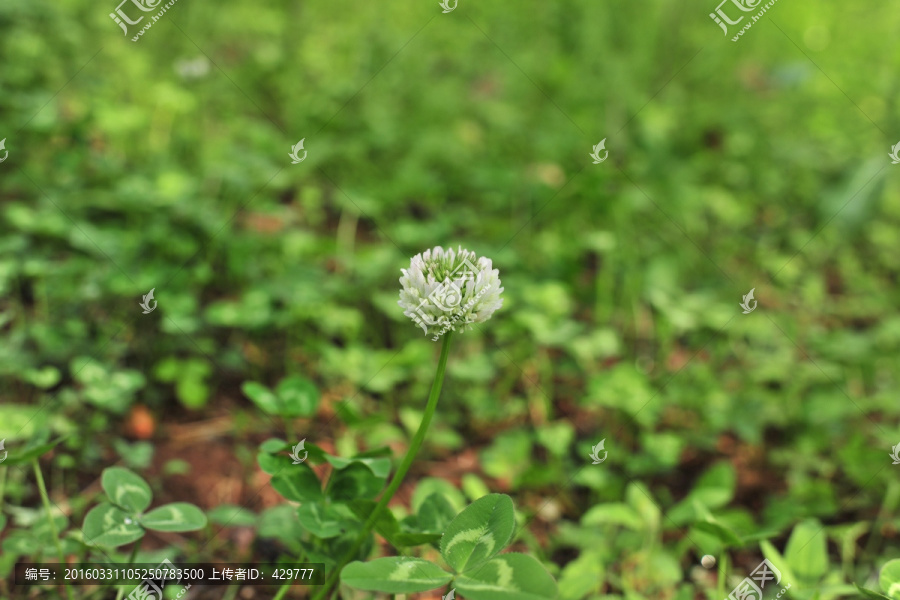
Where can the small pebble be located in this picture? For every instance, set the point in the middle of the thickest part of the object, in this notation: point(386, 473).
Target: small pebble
point(708, 561)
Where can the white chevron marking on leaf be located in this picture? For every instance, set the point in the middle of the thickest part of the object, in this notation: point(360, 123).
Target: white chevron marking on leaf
point(472, 535)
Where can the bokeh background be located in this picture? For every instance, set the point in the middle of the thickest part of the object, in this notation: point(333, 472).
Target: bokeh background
point(759, 164)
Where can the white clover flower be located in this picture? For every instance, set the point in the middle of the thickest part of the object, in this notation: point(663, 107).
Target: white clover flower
point(445, 290)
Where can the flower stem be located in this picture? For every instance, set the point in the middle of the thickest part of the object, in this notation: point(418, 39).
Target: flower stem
point(723, 572)
point(285, 587)
point(134, 551)
point(414, 446)
point(46, 500)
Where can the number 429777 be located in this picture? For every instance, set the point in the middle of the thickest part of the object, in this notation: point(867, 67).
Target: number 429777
point(292, 573)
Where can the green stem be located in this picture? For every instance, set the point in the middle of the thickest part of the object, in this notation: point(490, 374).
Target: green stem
point(888, 503)
point(46, 500)
point(723, 572)
point(2, 485)
point(414, 446)
point(285, 587)
point(134, 551)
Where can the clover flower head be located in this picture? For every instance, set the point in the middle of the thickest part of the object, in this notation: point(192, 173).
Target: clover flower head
point(445, 290)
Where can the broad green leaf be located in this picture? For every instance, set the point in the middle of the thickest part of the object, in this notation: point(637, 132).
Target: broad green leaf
point(479, 532)
point(389, 528)
point(191, 387)
point(435, 514)
point(613, 513)
point(138, 455)
point(582, 577)
point(770, 552)
point(126, 489)
point(356, 481)
point(380, 467)
point(280, 522)
point(435, 485)
point(889, 578)
point(20, 543)
point(395, 575)
point(508, 454)
point(232, 515)
point(870, 594)
point(806, 551)
point(21, 422)
point(41, 530)
point(715, 488)
point(262, 397)
point(273, 445)
point(273, 464)
point(178, 516)
point(639, 498)
point(319, 519)
point(43, 378)
point(299, 397)
point(108, 525)
point(31, 451)
point(298, 483)
point(720, 531)
point(510, 576)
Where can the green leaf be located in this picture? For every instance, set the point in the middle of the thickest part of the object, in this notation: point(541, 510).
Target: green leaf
point(280, 522)
point(395, 575)
point(178, 516)
point(435, 514)
point(41, 530)
point(299, 397)
point(138, 455)
point(871, 594)
point(724, 534)
point(778, 561)
point(20, 543)
point(715, 488)
point(31, 450)
point(388, 527)
point(889, 579)
point(806, 551)
point(108, 525)
point(21, 421)
point(380, 467)
point(191, 387)
point(582, 577)
point(273, 464)
point(434, 485)
point(320, 520)
point(43, 378)
point(232, 515)
point(613, 513)
point(298, 483)
point(356, 481)
point(479, 532)
point(639, 498)
point(510, 576)
point(262, 397)
point(126, 489)
point(273, 445)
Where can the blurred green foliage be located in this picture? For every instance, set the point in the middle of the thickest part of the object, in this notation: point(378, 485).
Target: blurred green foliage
point(762, 164)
